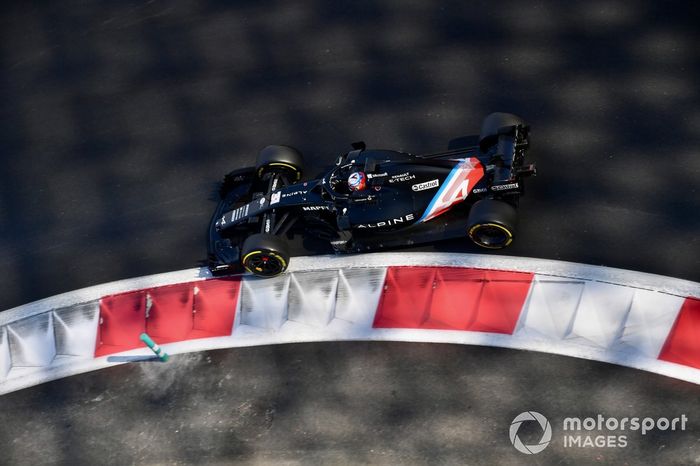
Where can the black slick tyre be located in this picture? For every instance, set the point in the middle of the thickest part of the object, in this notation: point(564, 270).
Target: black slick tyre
point(265, 255)
point(491, 223)
point(280, 159)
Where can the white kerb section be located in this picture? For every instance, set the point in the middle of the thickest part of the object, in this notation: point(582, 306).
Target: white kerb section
point(306, 306)
point(602, 316)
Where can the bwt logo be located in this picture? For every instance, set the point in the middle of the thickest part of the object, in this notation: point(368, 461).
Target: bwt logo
point(546, 432)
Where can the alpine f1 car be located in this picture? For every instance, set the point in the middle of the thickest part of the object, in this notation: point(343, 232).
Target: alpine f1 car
point(371, 200)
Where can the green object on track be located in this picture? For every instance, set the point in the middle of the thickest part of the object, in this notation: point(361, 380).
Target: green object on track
point(154, 347)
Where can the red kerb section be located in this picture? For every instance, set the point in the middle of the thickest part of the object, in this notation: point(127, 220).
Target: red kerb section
point(168, 313)
point(452, 299)
point(215, 307)
point(683, 343)
point(121, 322)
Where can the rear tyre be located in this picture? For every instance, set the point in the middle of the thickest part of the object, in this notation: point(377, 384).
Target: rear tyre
point(491, 126)
point(265, 255)
point(280, 159)
point(491, 223)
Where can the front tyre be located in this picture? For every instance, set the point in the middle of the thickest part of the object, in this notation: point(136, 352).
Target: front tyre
point(491, 223)
point(280, 159)
point(265, 255)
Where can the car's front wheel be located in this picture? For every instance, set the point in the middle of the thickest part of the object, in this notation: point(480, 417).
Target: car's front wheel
point(265, 255)
point(280, 159)
point(491, 223)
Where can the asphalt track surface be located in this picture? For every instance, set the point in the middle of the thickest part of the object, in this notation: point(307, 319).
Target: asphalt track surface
point(118, 118)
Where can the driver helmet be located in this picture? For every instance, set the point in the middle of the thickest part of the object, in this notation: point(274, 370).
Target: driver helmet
point(357, 181)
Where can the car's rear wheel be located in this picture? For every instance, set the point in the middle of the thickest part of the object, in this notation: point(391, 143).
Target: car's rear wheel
point(280, 159)
point(491, 223)
point(493, 124)
point(265, 255)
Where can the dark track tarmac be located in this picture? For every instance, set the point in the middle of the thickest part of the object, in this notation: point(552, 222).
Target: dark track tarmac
point(118, 118)
point(341, 403)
